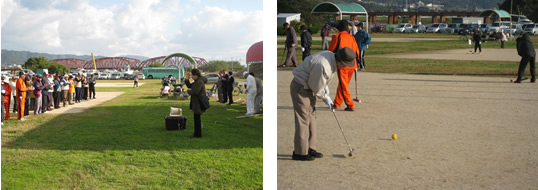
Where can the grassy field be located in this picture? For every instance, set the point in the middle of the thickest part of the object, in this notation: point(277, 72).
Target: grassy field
point(123, 144)
point(424, 66)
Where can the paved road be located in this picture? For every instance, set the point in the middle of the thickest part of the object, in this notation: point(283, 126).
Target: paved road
point(455, 132)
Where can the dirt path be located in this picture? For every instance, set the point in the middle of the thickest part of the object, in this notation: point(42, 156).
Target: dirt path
point(84, 105)
point(455, 132)
point(117, 84)
point(492, 54)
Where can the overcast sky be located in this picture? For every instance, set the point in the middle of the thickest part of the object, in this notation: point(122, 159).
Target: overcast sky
point(211, 29)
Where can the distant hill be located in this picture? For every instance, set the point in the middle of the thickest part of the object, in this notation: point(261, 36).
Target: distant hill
point(10, 57)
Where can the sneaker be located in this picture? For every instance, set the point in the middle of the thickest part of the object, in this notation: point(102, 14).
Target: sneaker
point(302, 157)
point(23, 119)
point(349, 109)
point(314, 153)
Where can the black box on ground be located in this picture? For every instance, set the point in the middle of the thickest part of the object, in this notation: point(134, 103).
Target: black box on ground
point(175, 122)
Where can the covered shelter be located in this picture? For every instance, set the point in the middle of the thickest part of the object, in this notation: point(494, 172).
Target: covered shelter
point(255, 59)
point(497, 15)
point(354, 10)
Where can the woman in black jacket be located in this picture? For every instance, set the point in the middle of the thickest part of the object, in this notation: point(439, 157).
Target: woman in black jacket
point(477, 38)
point(197, 89)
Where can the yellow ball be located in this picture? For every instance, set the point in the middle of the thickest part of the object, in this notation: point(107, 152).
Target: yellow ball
point(394, 136)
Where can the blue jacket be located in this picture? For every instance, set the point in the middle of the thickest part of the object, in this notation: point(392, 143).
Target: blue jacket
point(363, 39)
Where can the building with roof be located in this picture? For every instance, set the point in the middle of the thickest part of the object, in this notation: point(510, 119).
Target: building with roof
point(255, 59)
point(353, 10)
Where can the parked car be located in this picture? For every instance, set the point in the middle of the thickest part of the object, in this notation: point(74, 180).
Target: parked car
point(467, 29)
point(484, 27)
point(212, 78)
point(141, 76)
point(115, 76)
point(128, 76)
point(531, 28)
point(451, 28)
point(402, 27)
point(496, 26)
point(104, 76)
point(437, 27)
point(515, 28)
point(419, 28)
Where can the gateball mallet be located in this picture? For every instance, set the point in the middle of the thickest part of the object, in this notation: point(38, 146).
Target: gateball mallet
point(337, 121)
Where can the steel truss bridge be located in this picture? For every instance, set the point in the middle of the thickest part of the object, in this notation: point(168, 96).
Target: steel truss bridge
point(176, 60)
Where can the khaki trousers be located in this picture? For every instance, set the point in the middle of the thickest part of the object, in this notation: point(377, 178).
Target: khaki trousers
point(304, 107)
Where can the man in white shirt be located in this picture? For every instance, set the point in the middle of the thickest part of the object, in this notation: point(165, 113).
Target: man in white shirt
point(311, 80)
point(251, 93)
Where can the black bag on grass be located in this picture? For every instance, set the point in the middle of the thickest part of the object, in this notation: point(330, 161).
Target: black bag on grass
point(175, 122)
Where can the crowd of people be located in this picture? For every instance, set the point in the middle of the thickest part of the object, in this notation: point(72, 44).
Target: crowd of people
point(45, 92)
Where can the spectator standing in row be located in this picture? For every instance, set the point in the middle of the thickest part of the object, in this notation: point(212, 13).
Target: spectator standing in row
point(57, 94)
point(363, 39)
point(45, 91)
point(306, 42)
point(21, 96)
point(7, 98)
point(291, 43)
point(28, 81)
point(220, 89)
point(51, 91)
point(3, 95)
point(13, 84)
point(341, 40)
point(72, 90)
point(324, 35)
point(78, 88)
point(65, 89)
point(92, 83)
point(39, 96)
point(503, 38)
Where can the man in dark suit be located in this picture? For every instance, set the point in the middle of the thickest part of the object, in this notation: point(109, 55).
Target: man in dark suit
point(230, 87)
point(306, 42)
point(525, 49)
point(291, 42)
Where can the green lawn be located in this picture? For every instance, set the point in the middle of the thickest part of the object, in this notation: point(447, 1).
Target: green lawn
point(123, 144)
point(425, 66)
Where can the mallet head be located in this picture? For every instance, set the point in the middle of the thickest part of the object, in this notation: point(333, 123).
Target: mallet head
point(351, 153)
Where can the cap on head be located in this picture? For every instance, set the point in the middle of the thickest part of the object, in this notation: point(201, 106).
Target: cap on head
point(44, 73)
point(285, 24)
point(342, 25)
point(360, 24)
point(346, 56)
point(21, 73)
point(303, 27)
point(245, 73)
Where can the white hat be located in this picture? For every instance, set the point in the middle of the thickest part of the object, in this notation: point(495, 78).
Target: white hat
point(244, 73)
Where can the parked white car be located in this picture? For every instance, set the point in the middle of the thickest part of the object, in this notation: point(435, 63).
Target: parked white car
point(104, 76)
point(450, 28)
point(115, 76)
point(401, 28)
point(437, 27)
point(496, 26)
point(531, 28)
point(419, 28)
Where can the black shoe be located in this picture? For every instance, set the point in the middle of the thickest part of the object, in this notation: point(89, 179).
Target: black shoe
point(314, 153)
point(533, 80)
point(229, 104)
point(302, 157)
point(282, 65)
point(195, 137)
point(517, 81)
point(349, 109)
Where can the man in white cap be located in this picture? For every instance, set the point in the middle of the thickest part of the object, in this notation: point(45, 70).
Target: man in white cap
point(251, 93)
point(310, 80)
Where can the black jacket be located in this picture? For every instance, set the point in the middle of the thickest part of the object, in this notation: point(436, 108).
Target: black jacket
point(306, 39)
point(525, 47)
point(230, 82)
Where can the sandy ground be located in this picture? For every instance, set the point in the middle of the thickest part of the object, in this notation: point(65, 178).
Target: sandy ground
point(117, 84)
point(493, 54)
point(318, 38)
point(455, 132)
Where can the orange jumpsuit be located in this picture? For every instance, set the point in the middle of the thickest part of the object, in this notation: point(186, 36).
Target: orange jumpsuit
point(7, 99)
point(21, 95)
point(345, 74)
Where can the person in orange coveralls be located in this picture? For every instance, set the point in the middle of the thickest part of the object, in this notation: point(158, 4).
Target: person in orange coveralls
point(21, 95)
point(7, 97)
point(341, 40)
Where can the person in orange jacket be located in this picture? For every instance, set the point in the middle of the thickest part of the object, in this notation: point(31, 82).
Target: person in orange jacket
point(21, 95)
point(71, 90)
point(7, 97)
point(341, 40)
